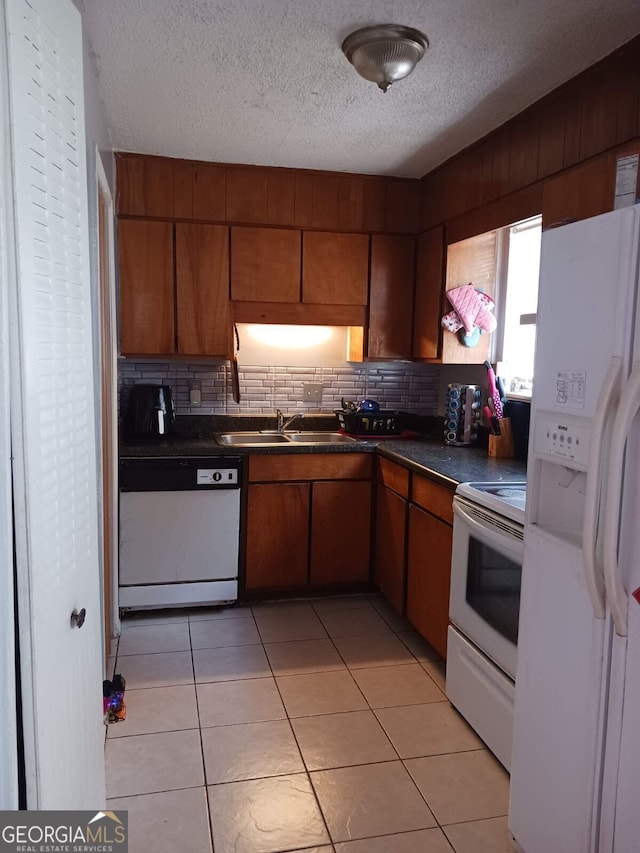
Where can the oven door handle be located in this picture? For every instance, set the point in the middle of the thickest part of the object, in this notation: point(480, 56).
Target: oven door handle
point(488, 534)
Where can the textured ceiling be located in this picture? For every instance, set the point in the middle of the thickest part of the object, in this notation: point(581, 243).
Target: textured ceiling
point(265, 81)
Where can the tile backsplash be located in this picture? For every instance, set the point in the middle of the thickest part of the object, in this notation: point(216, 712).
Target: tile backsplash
point(397, 385)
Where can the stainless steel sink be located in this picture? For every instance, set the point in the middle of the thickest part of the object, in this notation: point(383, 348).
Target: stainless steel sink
point(249, 439)
point(319, 438)
point(265, 439)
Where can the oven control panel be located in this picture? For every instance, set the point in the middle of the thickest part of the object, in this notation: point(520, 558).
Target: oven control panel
point(564, 438)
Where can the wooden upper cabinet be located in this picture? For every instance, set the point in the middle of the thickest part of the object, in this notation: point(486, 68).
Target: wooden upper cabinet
point(429, 287)
point(202, 289)
point(335, 268)
point(469, 261)
point(144, 186)
point(391, 296)
point(265, 265)
point(147, 308)
point(209, 192)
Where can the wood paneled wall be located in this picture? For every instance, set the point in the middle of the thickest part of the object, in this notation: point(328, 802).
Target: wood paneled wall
point(160, 187)
point(500, 178)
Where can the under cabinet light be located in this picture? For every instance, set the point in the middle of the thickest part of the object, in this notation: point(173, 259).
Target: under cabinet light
point(289, 337)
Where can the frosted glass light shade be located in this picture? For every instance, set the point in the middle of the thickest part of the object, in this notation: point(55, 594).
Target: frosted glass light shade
point(384, 54)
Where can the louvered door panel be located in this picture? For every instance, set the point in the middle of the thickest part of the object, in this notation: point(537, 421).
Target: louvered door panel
point(53, 418)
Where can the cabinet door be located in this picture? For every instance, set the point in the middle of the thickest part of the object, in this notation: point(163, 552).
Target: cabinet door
point(390, 552)
point(147, 304)
point(265, 265)
point(428, 577)
point(335, 268)
point(144, 185)
point(428, 293)
point(202, 287)
point(391, 296)
point(340, 530)
point(473, 260)
point(277, 535)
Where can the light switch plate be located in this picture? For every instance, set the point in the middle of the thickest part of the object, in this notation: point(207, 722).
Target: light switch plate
point(312, 392)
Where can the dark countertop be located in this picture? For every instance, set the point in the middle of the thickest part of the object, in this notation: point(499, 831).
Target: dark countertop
point(427, 456)
point(452, 465)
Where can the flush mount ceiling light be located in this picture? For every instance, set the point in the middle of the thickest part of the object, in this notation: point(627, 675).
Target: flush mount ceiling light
point(386, 53)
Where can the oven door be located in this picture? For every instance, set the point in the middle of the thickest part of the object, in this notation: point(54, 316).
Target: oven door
point(486, 568)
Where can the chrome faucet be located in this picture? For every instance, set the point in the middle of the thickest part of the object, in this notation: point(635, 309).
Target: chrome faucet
point(282, 424)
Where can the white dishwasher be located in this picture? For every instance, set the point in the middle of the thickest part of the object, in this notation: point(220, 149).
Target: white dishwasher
point(179, 531)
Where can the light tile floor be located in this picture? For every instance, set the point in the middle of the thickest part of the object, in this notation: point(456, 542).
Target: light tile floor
point(306, 727)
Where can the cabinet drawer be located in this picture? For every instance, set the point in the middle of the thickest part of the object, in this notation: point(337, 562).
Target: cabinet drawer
point(393, 476)
point(436, 499)
point(277, 468)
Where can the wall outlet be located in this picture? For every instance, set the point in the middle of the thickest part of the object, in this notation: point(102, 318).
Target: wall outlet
point(195, 393)
point(312, 392)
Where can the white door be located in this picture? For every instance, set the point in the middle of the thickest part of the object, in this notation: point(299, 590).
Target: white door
point(8, 741)
point(52, 411)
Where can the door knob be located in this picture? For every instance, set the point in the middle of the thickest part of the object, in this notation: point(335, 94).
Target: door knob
point(78, 617)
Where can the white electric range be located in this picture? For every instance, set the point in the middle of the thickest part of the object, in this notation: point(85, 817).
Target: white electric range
point(486, 567)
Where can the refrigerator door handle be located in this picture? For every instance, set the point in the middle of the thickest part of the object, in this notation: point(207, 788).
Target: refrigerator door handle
point(616, 594)
point(594, 574)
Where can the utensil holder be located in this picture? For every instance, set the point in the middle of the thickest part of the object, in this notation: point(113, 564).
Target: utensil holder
point(502, 446)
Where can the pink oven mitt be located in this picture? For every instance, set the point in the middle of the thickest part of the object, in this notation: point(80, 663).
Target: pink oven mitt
point(473, 308)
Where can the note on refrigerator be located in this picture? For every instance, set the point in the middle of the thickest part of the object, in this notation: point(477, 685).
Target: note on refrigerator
point(627, 190)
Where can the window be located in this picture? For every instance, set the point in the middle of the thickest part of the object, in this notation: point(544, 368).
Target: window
point(516, 304)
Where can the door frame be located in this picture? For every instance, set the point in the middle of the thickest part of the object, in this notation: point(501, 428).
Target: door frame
point(108, 406)
point(9, 793)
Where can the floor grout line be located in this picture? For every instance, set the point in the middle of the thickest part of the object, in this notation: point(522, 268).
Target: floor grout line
point(204, 763)
point(302, 758)
point(374, 711)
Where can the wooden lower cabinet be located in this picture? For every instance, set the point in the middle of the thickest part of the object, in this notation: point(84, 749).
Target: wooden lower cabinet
point(309, 525)
point(340, 530)
point(428, 576)
point(390, 546)
point(277, 535)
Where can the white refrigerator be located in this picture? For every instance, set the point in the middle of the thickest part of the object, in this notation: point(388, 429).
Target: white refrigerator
point(575, 785)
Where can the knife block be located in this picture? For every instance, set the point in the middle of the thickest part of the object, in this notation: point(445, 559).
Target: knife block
point(502, 446)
